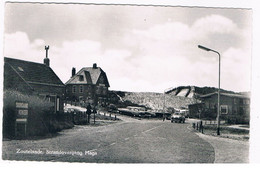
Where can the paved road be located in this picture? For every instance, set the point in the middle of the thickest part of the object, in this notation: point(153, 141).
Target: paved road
point(130, 141)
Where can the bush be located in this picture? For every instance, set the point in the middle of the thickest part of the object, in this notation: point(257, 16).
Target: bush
point(39, 113)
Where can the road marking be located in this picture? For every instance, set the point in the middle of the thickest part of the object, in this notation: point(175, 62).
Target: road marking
point(112, 144)
point(127, 138)
point(151, 129)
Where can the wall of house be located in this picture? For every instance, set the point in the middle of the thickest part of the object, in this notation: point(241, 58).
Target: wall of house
point(238, 108)
point(55, 94)
point(196, 110)
point(74, 92)
point(86, 93)
point(212, 103)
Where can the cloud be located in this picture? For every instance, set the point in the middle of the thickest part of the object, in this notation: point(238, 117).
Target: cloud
point(168, 53)
point(78, 54)
point(213, 24)
point(153, 59)
point(180, 32)
point(19, 46)
point(168, 31)
point(236, 68)
point(83, 53)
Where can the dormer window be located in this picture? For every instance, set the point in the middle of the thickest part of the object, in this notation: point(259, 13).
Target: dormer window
point(81, 78)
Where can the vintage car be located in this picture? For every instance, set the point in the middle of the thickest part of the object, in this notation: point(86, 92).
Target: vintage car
point(132, 111)
point(146, 115)
point(178, 117)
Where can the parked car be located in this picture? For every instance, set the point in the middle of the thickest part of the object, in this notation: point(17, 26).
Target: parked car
point(167, 116)
point(145, 115)
point(163, 114)
point(178, 117)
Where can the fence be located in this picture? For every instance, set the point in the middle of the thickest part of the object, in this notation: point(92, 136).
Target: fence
point(205, 122)
point(81, 117)
point(109, 116)
point(200, 125)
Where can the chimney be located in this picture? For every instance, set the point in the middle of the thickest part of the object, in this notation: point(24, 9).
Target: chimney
point(46, 60)
point(73, 72)
point(94, 66)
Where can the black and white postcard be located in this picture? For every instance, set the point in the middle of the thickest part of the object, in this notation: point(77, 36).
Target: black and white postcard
point(127, 83)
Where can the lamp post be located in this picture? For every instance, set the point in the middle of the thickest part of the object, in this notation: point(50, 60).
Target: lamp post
point(211, 50)
point(164, 103)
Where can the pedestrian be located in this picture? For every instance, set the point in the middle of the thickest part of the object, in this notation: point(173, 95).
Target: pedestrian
point(88, 112)
point(88, 108)
point(94, 112)
point(200, 128)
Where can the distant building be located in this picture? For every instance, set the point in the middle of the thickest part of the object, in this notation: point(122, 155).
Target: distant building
point(89, 85)
point(234, 108)
point(34, 79)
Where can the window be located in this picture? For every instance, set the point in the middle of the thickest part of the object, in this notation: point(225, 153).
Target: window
point(223, 109)
point(88, 90)
point(241, 101)
point(81, 78)
point(58, 104)
point(81, 98)
point(48, 98)
point(98, 90)
point(235, 101)
point(246, 102)
point(81, 89)
point(73, 89)
point(101, 80)
point(207, 105)
point(104, 90)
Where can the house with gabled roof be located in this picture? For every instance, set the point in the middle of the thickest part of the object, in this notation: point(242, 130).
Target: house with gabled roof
point(89, 85)
point(34, 79)
point(234, 107)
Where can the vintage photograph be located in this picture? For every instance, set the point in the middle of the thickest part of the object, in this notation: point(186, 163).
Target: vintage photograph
point(118, 83)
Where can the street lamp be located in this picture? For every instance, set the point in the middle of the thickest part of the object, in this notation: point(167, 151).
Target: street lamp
point(218, 119)
point(164, 103)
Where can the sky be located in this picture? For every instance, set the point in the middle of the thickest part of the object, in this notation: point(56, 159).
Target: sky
point(141, 48)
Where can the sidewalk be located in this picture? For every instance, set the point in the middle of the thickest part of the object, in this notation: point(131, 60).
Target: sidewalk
point(228, 150)
point(239, 127)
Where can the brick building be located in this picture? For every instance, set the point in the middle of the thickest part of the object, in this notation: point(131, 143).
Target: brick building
point(34, 79)
point(89, 85)
point(234, 108)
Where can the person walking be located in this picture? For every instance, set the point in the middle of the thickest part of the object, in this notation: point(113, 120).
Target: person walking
point(94, 112)
point(88, 112)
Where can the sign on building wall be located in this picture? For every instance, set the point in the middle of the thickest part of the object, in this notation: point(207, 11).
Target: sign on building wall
point(21, 118)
